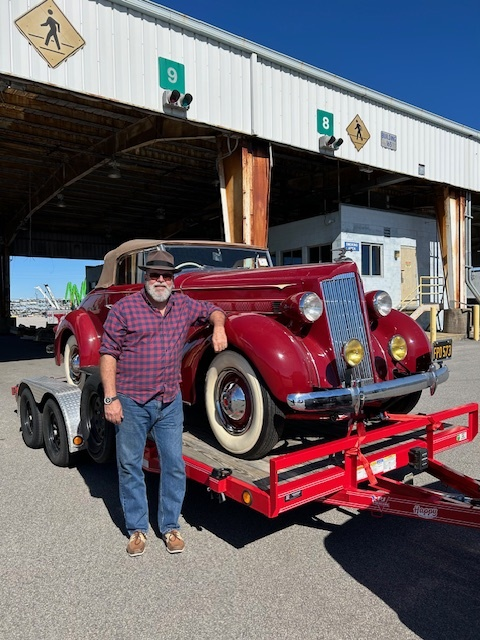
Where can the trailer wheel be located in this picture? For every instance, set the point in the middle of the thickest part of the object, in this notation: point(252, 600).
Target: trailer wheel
point(242, 414)
point(101, 433)
point(30, 420)
point(71, 360)
point(55, 434)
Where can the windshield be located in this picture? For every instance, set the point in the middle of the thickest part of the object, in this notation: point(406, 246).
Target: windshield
point(217, 257)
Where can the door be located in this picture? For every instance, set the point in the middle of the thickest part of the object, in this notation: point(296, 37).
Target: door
point(409, 277)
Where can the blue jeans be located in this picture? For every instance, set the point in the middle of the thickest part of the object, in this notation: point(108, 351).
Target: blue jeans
point(165, 420)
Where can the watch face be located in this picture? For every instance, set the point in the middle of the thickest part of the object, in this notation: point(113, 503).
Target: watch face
point(107, 401)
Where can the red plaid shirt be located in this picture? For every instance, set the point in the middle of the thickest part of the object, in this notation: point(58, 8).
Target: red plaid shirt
point(148, 346)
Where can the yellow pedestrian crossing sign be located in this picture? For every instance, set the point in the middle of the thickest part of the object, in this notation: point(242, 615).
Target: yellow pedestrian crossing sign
point(50, 33)
point(358, 132)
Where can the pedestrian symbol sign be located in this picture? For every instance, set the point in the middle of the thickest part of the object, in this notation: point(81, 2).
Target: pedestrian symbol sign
point(50, 33)
point(358, 133)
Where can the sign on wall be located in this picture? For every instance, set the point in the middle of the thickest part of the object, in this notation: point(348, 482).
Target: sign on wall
point(358, 133)
point(50, 33)
point(324, 123)
point(171, 75)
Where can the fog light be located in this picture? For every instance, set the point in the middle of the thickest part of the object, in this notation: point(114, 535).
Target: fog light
point(353, 352)
point(398, 348)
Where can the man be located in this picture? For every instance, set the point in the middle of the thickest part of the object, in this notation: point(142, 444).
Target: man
point(140, 366)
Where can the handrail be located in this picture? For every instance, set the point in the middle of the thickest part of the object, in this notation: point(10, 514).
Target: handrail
point(431, 287)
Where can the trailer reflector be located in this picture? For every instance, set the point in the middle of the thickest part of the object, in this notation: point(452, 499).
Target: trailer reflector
point(77, 441)
point(247, 498)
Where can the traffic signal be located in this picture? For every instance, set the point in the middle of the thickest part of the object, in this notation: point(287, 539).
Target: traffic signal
point(330, 143)
point(176, 100)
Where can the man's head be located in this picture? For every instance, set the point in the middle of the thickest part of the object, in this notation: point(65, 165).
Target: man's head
point(159, 271)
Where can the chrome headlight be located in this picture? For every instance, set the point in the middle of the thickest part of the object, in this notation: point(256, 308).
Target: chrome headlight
point(382, 303)
point(311, 307)
point(353, 352)
point(397, 347)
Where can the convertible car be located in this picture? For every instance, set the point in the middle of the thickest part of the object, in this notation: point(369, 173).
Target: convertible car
point(304, 341)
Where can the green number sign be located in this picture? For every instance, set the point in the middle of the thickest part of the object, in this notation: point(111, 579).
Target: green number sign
point(324, 123)
point(171, 75)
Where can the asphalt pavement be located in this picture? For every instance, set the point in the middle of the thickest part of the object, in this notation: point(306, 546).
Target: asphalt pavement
point(315, 573)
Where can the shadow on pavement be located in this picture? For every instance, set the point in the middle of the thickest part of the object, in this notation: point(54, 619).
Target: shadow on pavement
point(426, 572)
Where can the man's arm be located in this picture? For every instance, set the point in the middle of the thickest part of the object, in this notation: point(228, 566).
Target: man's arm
point(219, 337)
point(108, 374)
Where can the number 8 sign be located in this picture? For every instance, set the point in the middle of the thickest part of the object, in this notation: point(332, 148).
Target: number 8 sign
point(171, 75)
point(324, 123)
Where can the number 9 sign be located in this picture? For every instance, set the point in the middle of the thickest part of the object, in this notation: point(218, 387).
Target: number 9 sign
point(171, 75)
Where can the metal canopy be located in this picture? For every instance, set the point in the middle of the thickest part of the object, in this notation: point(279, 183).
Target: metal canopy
point(80, 171)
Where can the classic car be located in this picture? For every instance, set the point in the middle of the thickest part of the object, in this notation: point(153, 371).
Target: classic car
point(304, 341)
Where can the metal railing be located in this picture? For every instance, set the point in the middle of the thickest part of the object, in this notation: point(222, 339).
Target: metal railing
point(430, 290)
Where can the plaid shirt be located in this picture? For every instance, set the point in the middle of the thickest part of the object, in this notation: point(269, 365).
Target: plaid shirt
point(148, 346)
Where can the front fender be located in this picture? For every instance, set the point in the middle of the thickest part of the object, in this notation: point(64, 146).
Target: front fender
point(87, 330)
point(284, 363)
point(419, 355)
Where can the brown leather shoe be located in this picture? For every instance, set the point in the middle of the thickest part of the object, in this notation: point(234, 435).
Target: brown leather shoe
point(174, 541)
point(136, 544)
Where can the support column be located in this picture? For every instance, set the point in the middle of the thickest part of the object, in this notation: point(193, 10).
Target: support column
point(244, 169)
point(450, 210)
point(4, 289)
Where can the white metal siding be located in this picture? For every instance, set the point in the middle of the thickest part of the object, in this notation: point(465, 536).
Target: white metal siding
point(237, 86)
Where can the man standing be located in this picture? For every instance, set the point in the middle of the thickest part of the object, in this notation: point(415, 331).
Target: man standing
point(140, 366)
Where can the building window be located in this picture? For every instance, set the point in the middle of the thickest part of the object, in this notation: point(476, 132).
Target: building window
point(292, 257)
point(322, 253)
point(371, 259)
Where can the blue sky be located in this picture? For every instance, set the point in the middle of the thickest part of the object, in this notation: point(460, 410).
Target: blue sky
point(426, 53)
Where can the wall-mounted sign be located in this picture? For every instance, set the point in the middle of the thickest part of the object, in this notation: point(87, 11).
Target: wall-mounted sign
point(171, 75)
point(352, 246)
point(50, 33)
point(324, 123)
point(388, 141)
point(358, 133)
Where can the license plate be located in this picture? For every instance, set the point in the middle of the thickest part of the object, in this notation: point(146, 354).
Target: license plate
point(442, 349)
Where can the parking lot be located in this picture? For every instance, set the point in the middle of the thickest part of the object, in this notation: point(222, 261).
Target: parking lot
point(313, 573)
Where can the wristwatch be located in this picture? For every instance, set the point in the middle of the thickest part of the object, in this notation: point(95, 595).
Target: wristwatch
point(110, 400)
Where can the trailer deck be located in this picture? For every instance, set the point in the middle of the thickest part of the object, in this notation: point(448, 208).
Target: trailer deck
point(352, 470)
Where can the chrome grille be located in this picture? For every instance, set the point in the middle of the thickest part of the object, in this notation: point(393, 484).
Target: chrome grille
point(346, 321)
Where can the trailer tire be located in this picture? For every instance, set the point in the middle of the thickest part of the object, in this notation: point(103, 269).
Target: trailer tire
point(101, 433)
point(30, 420)
point(242, 414)
point(55, 434)
point(71, 361)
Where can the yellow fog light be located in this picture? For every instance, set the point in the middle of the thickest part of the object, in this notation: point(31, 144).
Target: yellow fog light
point(398, 348)
point(353, 352)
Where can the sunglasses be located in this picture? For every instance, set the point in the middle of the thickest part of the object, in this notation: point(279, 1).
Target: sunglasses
point(155, 275)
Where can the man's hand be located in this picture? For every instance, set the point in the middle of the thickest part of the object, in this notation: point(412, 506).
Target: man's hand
point(114, 412)
point(219, 337)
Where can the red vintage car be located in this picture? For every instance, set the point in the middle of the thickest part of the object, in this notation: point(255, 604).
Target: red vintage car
point(304, 341)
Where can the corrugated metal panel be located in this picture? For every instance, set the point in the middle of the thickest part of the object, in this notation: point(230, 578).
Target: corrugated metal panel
point(238, 86)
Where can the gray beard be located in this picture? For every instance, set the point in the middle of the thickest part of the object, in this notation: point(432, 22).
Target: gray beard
point(159, 293)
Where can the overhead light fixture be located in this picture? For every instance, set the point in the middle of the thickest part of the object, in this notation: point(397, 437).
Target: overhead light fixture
point(160, 213)
point(60, 201)
point(114, 171)
point(366, 169)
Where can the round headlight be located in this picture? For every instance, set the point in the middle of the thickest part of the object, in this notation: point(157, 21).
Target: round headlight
point(398, 348)
point(382, 303)
point(311, 307)
point(353, 352)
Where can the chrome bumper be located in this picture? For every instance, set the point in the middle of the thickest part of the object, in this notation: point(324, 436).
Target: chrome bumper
point(355, 397)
